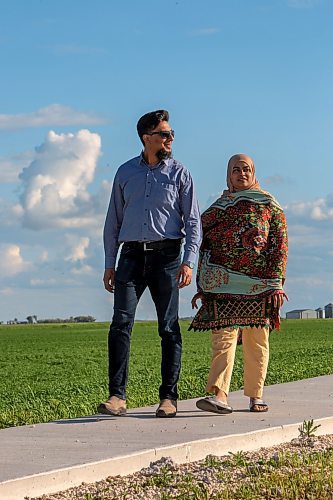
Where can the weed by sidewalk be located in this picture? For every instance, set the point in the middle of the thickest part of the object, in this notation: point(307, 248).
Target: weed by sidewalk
point(301, 469)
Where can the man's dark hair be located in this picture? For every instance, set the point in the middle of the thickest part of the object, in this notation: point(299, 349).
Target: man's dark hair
point(149, 121)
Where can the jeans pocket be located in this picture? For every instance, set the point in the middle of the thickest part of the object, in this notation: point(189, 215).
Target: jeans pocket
point(171, 252)
point(126, 251)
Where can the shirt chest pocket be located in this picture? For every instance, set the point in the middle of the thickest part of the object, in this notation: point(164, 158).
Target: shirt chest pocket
point(168, 185)
point(166, 191)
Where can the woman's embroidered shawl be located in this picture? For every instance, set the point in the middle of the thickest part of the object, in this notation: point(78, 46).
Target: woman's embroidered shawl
point(242, 261)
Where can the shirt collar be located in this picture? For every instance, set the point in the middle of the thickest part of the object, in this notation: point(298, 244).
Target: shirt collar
point(162, 163)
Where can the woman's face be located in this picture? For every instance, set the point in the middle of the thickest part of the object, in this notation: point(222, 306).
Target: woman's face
point(241, 176)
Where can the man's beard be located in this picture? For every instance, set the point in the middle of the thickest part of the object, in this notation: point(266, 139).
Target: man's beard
point(163, 155)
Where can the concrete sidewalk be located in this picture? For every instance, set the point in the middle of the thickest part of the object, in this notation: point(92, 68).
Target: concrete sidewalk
point(45, 458)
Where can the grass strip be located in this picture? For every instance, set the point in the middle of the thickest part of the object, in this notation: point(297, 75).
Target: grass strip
point(59, 371)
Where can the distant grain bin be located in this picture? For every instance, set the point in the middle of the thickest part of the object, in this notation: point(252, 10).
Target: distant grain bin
point(329, 310)
point(320, 312)
point(302, 314)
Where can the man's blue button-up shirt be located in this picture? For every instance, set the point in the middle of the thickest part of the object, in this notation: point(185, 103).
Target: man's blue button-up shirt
point(152, 203)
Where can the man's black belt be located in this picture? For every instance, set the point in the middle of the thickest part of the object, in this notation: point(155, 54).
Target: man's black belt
point(153, 245)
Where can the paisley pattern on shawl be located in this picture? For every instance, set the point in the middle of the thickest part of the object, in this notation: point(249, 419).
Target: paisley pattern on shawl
point(218, 279)
point(242, 261)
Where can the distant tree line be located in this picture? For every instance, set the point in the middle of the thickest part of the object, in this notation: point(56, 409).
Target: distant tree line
point(32, 320)
point(71, 319)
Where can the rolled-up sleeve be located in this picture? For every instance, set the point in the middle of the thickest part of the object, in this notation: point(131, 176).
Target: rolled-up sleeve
point(113, 224)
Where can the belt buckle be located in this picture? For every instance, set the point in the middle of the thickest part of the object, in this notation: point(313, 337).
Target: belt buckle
point(145, 249)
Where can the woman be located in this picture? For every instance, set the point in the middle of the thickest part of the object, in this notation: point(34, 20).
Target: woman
point(240, 277)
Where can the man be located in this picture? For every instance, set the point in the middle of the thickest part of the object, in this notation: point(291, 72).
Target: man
point(152, 208)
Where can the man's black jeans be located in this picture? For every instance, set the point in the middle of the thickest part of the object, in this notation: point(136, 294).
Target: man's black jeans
point(138, 269)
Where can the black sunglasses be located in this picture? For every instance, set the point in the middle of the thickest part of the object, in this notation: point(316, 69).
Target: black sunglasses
point(165, 134)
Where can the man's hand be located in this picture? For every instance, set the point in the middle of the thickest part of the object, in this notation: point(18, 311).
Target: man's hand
point(108, 279)
point(184, 276)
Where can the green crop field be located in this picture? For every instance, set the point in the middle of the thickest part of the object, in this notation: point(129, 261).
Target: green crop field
point(60, 370)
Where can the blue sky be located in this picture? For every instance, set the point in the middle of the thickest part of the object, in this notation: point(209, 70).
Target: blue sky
point(242, 76)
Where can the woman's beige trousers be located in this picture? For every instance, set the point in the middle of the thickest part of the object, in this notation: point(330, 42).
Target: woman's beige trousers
point(255, 355)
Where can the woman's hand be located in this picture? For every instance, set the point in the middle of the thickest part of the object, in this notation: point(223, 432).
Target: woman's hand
point(276, 301)
point(197, 296)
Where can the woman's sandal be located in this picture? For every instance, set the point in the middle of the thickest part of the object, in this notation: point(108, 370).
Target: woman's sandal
point(258, 402)
point(213, 405)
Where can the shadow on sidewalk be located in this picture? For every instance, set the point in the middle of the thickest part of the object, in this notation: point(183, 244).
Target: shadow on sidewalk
point(143, 416)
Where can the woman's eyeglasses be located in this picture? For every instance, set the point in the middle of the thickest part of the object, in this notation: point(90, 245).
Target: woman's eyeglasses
point(165, 134)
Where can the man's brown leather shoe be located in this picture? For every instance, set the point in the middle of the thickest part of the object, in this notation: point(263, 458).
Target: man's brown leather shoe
point(113, 406)
point(167, 408)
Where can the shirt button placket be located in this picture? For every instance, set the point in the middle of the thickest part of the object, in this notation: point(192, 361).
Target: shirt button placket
point(147, 196)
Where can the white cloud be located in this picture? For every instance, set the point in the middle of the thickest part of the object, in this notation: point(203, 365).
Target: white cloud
point(44, 256)
point(317, 213)
point(17, 210)
point(55, 183)
point(82, 270)
point(309, 273)
point(312, 281)
point(316, 210)
point(53, 115)
point(78, 248)
point(7, 292)
point(11, 261)
point(42, 282)
point(273, 180)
